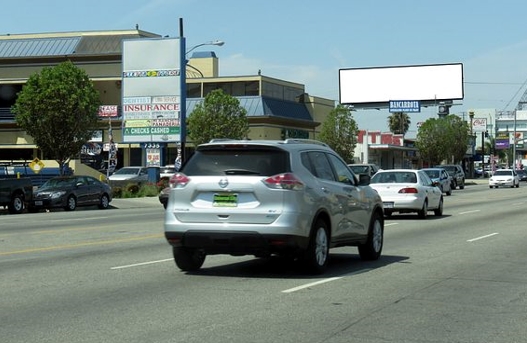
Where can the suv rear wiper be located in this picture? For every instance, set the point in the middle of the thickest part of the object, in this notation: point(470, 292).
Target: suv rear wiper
point(241, 172)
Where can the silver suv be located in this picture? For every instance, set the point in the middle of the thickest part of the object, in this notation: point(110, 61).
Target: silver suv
point(294, 198)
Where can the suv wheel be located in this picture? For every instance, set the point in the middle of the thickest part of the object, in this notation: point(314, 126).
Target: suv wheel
point(188, 259)
point(371, 250)
point(317, 253)
point(462, 184)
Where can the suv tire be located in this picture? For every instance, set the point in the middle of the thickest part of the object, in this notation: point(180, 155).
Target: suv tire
point(371, 250)
point(462, 184)
point(317, 253)
point(188, 259)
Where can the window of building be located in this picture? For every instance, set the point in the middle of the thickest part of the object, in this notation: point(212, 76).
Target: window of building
point(193, 90)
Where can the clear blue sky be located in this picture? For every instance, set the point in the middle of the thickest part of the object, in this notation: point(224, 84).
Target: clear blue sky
point(309, 41)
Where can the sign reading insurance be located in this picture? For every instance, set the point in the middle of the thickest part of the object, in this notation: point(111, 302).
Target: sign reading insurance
point(405, 106)
point(151, 90)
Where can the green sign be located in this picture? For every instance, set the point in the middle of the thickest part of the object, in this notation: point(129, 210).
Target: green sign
point(141, 131)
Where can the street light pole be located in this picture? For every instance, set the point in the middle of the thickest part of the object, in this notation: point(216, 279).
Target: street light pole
point(215, 42)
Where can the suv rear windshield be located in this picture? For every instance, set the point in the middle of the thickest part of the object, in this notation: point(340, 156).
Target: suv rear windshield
point(237, 161)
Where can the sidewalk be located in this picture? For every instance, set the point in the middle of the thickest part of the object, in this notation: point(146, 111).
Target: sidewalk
point(136, 202)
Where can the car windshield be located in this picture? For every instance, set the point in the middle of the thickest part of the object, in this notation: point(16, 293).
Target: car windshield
point(394, 177)
point(503, 172)
point(433, 174)
point(59, 182)
point(127, 171)
point(359, 169)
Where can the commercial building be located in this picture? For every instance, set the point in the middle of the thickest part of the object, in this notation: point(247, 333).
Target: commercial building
point(276, 109)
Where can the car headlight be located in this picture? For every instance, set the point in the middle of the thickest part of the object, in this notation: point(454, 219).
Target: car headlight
point(57, 194)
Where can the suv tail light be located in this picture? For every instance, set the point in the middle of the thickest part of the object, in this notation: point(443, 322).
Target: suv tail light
point(408, 190)
point(284, 181)
point(178, 180)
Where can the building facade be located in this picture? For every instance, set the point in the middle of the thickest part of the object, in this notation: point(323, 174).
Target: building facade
point(276, 109)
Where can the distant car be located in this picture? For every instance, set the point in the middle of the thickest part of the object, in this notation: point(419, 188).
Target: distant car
point(407, 190)
point(127, 175)
point(522, 174)
point(505, 178)
point(364, 169)
point(441, 178)
point(163, 196)
point(70, 192)
point(457, 174)
point(167, 171)
point(294, 198)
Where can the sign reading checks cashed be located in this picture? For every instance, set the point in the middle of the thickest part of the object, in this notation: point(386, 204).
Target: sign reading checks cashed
point(151, 103)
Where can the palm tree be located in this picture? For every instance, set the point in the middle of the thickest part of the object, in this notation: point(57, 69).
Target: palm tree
point(399, 123)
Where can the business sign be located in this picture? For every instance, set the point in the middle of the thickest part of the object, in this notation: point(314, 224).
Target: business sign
point(370, 87)
point(479, 125)
point(502, 141)
point(151, 89)
point(407, 106)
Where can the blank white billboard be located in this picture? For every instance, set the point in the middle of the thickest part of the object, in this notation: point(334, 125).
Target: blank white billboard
point(427, 83)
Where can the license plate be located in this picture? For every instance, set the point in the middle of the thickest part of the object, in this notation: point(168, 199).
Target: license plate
point(38, 203)
point(225, 200)
point(388, 204)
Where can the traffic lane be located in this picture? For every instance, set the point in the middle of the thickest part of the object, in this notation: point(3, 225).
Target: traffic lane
point(63, 230)
point(230, 276)
point(235, 302)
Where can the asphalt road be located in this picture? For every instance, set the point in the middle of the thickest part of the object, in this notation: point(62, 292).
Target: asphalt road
point(107, 276)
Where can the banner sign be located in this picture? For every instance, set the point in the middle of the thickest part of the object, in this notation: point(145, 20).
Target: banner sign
point(151, 103)
point(406, 106)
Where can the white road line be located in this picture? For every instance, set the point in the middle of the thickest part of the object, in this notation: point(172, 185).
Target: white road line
point(473, 211)
point(482, 237)
point(291, 290)
point(390, 224)
point(141, 264)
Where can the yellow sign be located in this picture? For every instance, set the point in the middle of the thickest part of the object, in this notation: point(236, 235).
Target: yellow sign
point(36, 165)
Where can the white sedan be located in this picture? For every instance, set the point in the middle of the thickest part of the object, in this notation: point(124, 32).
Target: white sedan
point(504, 177)
point(407, 190)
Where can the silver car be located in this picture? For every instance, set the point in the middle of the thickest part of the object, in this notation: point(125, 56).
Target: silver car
point(294, 198)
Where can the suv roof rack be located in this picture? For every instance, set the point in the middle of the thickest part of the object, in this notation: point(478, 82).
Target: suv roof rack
point(304, 140)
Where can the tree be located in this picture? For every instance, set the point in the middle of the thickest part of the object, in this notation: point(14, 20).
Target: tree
point(339, 131)
point(444, 138)
point(58, 107)
point(218, 116)
point(399, 123)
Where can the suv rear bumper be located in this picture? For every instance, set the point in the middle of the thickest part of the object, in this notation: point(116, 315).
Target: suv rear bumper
point(238, 243)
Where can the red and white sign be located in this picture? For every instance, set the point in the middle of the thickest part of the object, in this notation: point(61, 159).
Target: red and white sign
point(479, 125)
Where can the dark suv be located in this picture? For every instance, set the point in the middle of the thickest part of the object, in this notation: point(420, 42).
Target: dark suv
point(457, 174)
point(293, 198)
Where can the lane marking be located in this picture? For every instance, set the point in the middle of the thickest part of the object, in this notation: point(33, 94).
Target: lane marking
point(141, 264)
point(316, 283)
point(483, 237)
point(473, 211)
point(78, 245)
point(290, 290)
point(390, 224)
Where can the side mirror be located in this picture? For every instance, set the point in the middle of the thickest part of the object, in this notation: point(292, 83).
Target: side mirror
point(364, 179)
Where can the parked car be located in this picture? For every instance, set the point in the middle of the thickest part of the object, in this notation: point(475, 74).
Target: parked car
point(167, 171)
point(294, 198)
point(522, 174)
point(127, 175)
point(163, 196)
point(70, 192)
point(504, 177)
point(364, 169)
point(440, 178)
point(457, 174)
point(407, 190)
